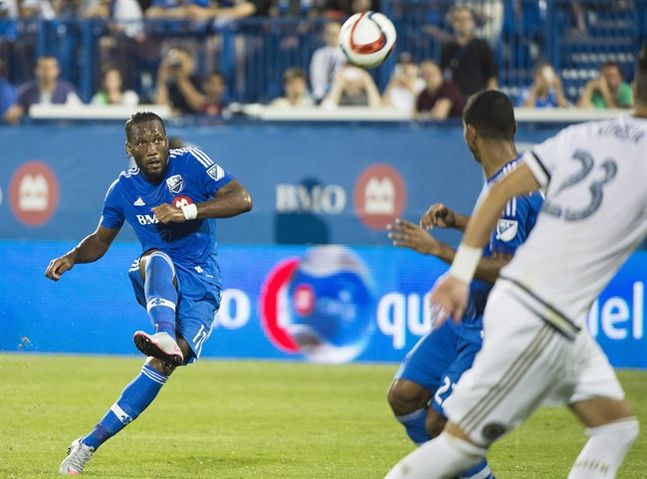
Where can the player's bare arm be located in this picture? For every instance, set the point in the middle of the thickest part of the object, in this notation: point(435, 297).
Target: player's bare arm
point(90, 249)
point(405, 234)
point(450, 292)
point(439, 216)
point(231, 200)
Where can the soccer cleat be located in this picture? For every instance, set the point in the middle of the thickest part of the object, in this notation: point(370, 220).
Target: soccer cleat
point(160, 346)
point(77, 455)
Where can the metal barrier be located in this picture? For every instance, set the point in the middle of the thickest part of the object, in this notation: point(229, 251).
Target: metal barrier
point(575, 37)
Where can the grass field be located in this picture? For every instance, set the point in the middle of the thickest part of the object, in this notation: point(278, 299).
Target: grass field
point(250, 420)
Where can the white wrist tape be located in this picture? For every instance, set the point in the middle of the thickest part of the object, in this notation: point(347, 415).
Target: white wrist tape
point(190, 212)
point(465, 262)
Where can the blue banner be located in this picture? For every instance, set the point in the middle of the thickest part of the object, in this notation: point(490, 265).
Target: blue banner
point(311, 184)
point(322, 304)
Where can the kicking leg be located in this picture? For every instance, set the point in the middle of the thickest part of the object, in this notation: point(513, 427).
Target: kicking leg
point(160, 285)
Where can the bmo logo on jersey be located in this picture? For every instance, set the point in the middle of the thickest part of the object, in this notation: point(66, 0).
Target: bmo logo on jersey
point(147, 219)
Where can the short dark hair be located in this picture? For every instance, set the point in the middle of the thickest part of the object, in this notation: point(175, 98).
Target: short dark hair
point(491, 114)
point(641, 76)
point(294, 73)
point(142, 117)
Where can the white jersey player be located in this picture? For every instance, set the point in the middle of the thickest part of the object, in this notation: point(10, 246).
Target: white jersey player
point(535, 345)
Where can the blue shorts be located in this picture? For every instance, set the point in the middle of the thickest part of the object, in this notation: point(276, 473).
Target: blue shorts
point(197, 304)
point(441, 357)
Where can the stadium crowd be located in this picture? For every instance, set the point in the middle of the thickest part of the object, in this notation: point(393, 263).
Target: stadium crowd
point(179, 68)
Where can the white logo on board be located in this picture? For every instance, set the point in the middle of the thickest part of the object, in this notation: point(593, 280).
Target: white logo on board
point(33, 193)
point(379, 196)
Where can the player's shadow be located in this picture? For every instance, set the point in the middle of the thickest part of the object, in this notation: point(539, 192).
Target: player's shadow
point(297, 217)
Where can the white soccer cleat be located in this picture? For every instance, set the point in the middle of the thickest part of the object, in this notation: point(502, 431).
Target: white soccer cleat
point(77, 455)
point(159, 345)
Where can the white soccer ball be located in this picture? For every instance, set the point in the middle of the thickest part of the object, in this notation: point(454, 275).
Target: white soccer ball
point(367, 39)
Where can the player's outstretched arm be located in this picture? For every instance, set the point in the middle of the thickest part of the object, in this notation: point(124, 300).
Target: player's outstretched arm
point(438, 215)
point(91, 248)
point(230, 200)
point(405, 234)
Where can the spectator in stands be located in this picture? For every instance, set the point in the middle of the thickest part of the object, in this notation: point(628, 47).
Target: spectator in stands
point(488, 18)
point(177, 84)
point(47, 88)
point(608, 90)
point(215, 88)
point(404, 86)
point(440, 99)
point(229, 10)
point(546, 90)
point(10, 112)
point(466, 60)
point(342, 9)
point(326, 62)
point(127, 15)
point(177, 9)
point(36, 9)
point(295, 86)
point(353, 87)
point(111, 92)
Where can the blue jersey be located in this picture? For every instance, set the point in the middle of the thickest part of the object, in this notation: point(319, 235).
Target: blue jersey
point(191, 177)
point(512, 229)
point(441, 357)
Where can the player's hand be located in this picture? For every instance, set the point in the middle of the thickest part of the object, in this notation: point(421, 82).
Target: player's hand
point(438, 215)
point(448, 298)
point(405, 234)
point(60, 265)
point(166, 214)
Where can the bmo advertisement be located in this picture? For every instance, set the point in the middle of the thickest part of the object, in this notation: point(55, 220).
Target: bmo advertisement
point(324, 304)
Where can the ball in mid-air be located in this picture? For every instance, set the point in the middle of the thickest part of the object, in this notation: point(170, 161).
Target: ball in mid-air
point(367, 39)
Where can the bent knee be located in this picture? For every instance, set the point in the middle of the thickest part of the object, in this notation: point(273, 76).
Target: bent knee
point(435, 423)
point(406, 396)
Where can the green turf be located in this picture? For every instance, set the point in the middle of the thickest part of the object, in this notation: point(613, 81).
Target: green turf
point(226, 419)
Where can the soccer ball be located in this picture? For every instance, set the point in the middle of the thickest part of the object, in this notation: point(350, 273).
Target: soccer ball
point(367, 39)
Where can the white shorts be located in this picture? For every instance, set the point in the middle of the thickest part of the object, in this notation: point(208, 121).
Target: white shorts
point(524, 361)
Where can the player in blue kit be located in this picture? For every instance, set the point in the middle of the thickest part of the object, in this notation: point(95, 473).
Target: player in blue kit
point(170, 199)
point(431, 369)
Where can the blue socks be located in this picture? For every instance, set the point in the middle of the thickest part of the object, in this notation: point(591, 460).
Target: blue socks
point(135, 397)
point(414, 424)
point(161, 295)
point(481, 471)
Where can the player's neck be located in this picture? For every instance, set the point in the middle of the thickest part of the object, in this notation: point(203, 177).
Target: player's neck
point(495, 155)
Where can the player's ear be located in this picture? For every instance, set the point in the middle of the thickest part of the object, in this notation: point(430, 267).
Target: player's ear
point(127, 147)
point(470, 133)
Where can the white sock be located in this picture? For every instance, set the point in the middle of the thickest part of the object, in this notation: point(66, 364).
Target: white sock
point(442, 457)
point(603, 453)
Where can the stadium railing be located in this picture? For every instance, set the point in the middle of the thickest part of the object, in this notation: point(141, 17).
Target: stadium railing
point(575, 37)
